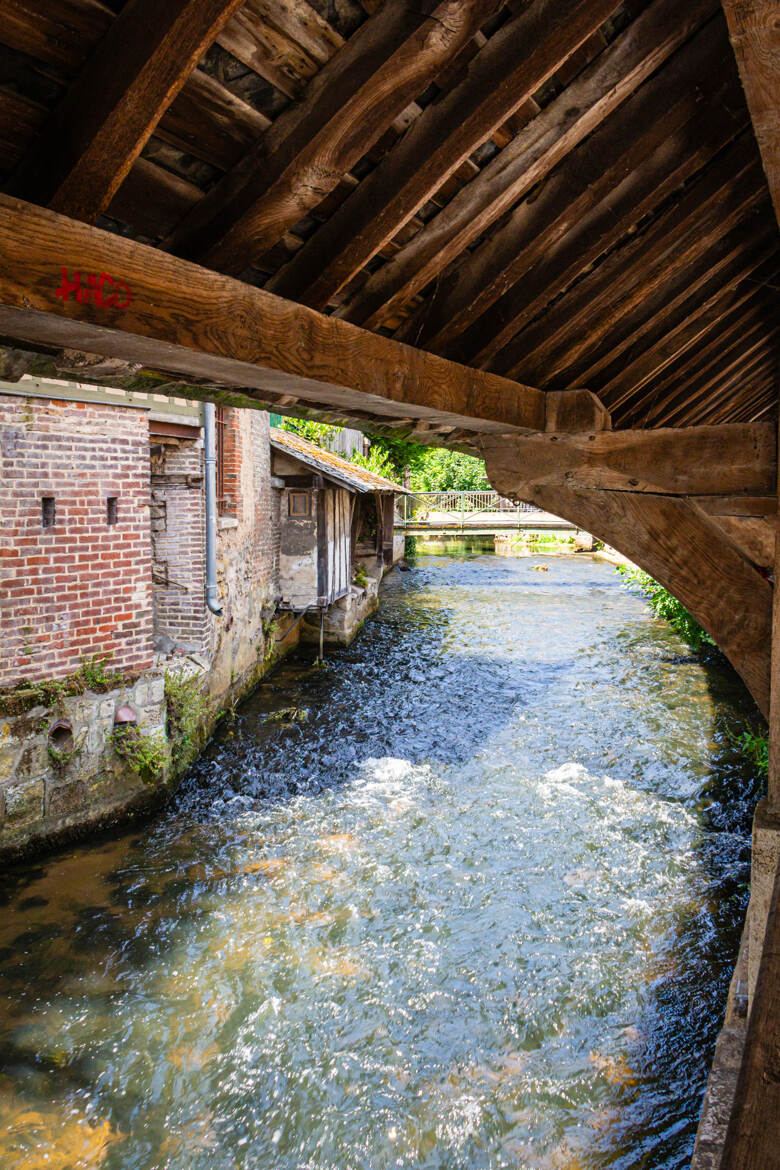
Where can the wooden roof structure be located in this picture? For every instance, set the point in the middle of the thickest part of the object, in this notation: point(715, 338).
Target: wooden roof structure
point(506, 225)
point(555, 193)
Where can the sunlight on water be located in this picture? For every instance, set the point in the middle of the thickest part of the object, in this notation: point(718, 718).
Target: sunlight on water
point(479, 910)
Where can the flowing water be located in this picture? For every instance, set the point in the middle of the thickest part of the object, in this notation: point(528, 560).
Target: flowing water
point(477, 909)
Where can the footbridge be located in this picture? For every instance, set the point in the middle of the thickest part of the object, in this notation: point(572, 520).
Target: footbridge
point(472, 513)
point(563, 258)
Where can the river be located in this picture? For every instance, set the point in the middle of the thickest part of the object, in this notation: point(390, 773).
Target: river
point(476, 907)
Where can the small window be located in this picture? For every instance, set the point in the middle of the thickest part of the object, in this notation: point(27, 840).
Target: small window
point(300, 505)
point(47, 511)
point(112, 509)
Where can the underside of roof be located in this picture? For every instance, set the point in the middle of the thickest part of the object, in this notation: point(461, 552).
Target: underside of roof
point(568, 193)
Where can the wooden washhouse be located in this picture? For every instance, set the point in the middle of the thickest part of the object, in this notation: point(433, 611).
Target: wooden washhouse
point(331, 511)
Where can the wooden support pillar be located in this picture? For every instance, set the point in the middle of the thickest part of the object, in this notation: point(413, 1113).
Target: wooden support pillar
point(753, 1136)
point(773, 787)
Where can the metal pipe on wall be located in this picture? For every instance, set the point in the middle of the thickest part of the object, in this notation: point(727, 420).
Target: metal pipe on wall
point(210, 442)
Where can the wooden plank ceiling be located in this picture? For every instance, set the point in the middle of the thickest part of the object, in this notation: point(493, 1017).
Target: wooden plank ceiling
point(568, 193)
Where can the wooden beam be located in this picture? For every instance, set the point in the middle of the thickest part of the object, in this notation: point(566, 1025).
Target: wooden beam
point(720, 374)
point(163, 313)
point(499, 79)
point(675, 123)
point(59, 35)
point(753, 1135)
point(308, 149)
point(762, 507)
point(584, 104)
point(208, 121)
point(718, 396)
point(151, 200)
point(754, 537)
point(680, 546)
point(754, 402)
point(693, 461)
point(113, 106)
point(754, 30)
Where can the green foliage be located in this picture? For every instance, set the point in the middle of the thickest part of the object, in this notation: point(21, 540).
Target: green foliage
point(530, 540)
point(96, 675)
point(288, 715)
point(431, 469)
point(188, 711)
point(147, 755)
point(315, 432)
point(59, 758)
point(359, 576)
point(665, 606)
point(377, 461)
point(753, 744)
point(92, 675)
point(435, 470)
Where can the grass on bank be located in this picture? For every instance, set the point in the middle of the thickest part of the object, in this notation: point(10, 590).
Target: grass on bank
point(93, 675)
point(752, 741)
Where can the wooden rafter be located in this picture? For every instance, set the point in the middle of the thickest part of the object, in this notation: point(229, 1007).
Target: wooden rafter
point(410, 169)
point(666, 304)
point(758, 360)
point(727, 196)
point(348, 106)
point(733, 331)
point(709, 216)
point(157, 311)
point(98, 130)
point(529, 156)
point(658, 138)
point(630, 379)
point(498, 80)
point(754, 30)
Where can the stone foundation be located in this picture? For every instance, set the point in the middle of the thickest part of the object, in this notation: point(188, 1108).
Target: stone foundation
point(54, 790)
point(47, 791)
point(345, 617)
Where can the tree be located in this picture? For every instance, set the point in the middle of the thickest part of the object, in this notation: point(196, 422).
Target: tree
point(431, 469)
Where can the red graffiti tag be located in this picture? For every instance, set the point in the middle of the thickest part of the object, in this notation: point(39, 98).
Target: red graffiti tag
point(103, 290)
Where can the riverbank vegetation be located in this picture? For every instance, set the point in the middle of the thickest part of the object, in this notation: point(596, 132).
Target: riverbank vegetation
point(750, 739)
point(665, 606)
point(94, 674)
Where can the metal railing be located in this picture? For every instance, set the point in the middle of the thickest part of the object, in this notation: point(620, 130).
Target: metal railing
point(418, 507)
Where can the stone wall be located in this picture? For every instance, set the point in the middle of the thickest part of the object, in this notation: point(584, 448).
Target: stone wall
point(76, 569)
point(47, 792)
point(60, 771)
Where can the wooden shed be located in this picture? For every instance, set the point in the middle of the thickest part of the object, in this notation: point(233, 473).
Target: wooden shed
point(332, 512)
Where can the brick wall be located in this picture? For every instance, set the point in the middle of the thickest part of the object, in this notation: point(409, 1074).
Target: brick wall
point(229, 457)
point(80, 586)
point(179, 551)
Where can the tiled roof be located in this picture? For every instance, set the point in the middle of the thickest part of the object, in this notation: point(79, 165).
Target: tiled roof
point(349, 474)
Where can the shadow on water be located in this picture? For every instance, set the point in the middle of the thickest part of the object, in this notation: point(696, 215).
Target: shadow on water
point(478, 909)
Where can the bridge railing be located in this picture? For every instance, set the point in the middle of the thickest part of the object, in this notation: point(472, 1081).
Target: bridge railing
point(417, 506)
